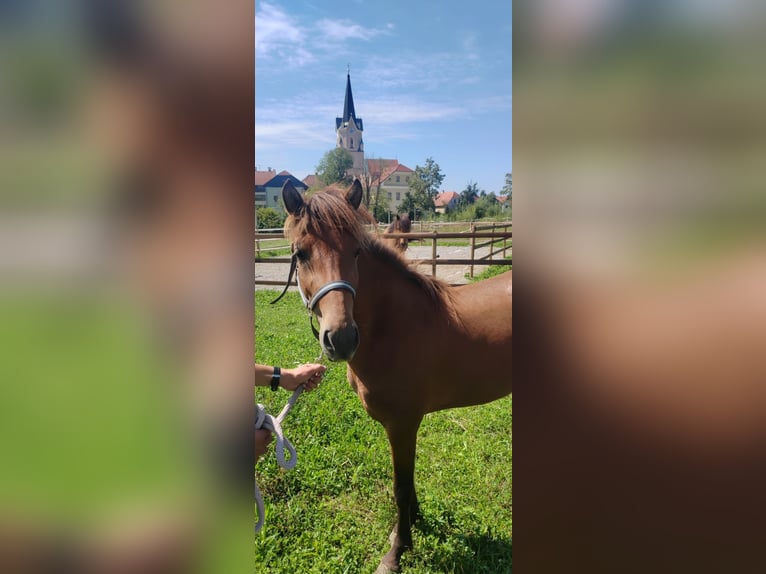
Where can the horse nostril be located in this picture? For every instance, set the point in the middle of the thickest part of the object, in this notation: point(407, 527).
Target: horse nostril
point(327, 341)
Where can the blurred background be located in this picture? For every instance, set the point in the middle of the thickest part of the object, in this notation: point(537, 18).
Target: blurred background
point(126, 310)
point(640, 263)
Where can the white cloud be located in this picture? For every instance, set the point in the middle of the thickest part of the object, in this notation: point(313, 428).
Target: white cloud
point(281, 38)
point(277, 35)
point(392, 111)
point(470, 46)
point(304, 134)
point(342, 30)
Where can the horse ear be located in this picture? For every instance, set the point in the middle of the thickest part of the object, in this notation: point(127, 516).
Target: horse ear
point(354, 194)
point(291, 197)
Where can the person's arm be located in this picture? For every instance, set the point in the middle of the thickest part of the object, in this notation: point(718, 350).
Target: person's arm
point(308, 375)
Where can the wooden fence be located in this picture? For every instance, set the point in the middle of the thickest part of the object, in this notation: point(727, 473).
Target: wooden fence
point(497, 236)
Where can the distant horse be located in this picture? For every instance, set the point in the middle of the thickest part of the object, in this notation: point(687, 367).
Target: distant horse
point(414, 344)
point(401, 224)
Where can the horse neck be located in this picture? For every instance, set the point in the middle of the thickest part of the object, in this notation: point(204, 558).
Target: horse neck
point(385, 294)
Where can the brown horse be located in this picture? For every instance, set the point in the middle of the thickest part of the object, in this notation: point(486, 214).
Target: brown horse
point(401, 224)
point(414, 345)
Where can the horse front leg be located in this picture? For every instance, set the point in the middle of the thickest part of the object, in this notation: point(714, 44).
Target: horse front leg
point(402, 436)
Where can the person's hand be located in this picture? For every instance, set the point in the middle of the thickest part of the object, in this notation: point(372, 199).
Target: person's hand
point(309, 375)
point(262, 440)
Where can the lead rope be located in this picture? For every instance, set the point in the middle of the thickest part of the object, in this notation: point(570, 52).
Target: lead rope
point(264, 420)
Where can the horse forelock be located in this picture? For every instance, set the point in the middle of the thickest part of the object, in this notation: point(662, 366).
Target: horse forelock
point(328, 216)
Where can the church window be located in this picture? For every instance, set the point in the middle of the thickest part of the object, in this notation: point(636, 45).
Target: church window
point(351, 145)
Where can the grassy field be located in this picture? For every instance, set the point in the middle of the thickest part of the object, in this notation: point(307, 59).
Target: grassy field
point(334, 511)
point(491, 272)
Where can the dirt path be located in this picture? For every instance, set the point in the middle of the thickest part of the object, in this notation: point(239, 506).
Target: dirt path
point(454, 274)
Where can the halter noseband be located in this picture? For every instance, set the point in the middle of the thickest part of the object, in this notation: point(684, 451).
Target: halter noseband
point(338, 285)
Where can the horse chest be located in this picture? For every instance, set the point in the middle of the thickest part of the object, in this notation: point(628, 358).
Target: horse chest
point(377, 399)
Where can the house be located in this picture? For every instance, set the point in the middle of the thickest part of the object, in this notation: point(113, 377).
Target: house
point(392, 177)
point(505, 201)
point(312, 180)
point(268, 188)
point(446, 201)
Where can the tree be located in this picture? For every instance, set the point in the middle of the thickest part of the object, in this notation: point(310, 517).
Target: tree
point(423, 188)
point(508, 187)
point(268, 218)
point(333, 166)
point(417, 200)
point(431, 176)
point(468, 195)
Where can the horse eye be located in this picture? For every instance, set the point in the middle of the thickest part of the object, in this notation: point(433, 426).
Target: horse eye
point(301, 255)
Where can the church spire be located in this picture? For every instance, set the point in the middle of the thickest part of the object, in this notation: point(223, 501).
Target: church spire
point(348, 130)
point(348, 105)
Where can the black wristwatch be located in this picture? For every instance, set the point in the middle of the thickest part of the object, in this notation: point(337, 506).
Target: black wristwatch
point(275, 378)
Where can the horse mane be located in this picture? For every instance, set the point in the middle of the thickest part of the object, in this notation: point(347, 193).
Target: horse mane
point(438, 292)
point(328, 214)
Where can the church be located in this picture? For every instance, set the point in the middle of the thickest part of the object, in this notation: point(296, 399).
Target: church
point(348, 130)
point(389, 175)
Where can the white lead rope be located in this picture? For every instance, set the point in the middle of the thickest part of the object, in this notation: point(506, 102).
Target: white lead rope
point(263, 420)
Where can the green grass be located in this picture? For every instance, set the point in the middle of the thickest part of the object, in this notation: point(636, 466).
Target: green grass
point(490, 272)
point(334, 511)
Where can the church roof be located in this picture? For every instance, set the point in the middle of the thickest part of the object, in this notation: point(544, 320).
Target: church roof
point(349, 113)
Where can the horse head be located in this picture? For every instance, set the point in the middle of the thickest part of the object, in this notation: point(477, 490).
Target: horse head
point(326, 235)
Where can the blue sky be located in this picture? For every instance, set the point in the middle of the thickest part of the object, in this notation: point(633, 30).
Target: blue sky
point(430, 78)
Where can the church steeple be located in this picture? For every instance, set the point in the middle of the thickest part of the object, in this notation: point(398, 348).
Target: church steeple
point(349, 113)
point(348, 105)
point(349, 130)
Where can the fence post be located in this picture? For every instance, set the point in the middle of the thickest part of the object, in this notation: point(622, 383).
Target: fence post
point(473, 244)
point(492, 243)
point(433, 254)
point(505, 239)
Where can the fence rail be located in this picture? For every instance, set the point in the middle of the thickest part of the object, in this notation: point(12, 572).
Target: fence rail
point(498, 238)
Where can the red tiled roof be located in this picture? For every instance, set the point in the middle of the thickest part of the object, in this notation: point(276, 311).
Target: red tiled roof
point(262, 177)
point(442, 199)
point(382, 169)
point(311, 180)
point(284, 172)
point(502, 198)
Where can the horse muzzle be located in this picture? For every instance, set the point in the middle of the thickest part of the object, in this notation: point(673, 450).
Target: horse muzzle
point(340, 344)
